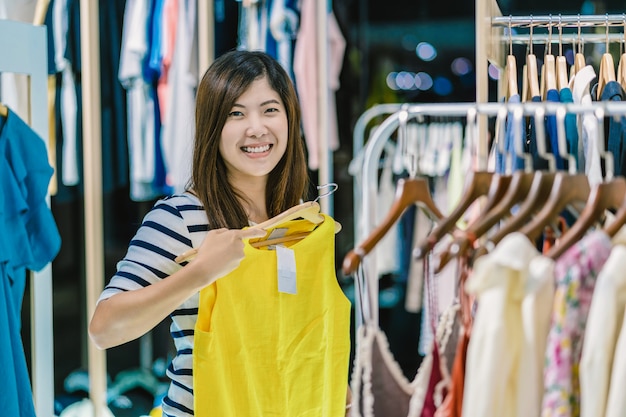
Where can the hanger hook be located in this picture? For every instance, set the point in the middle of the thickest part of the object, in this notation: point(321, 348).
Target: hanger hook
point(580, 42)
point(624, 30)
point(607, 33)
point(407, 151)
point(560, 35)
point(550, 35)
point(332, 187)
point(511, 36)
point(530, 38)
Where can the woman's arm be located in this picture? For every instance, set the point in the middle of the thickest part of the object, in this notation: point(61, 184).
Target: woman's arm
point(128, 315)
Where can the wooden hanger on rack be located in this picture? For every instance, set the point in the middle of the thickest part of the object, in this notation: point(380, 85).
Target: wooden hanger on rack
point(495, 191)
point(4, 110)
point(510, 70)
point(41, 8)
point(609, 194)
point(621, 66)
point(607, 67)
point(566, 190)
point(579, 57)
point(531, 71)
point(602, 197)
point(410, 191)
point(548, 70)
point(539, 191)
point(562, 73)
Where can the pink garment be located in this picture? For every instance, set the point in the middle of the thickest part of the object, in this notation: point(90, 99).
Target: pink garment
point(575, 273)
point(170, 18)
point(306, 74)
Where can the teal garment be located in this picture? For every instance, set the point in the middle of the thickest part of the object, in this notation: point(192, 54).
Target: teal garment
point(571, 127)
point(29, 240)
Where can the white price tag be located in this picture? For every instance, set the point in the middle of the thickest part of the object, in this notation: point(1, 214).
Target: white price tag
point(286, 262)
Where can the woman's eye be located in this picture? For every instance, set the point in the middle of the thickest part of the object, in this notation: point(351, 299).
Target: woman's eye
point(235, 114)
point(272, 110)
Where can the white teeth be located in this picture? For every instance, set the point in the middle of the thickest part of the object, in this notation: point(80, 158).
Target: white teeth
point(256, 149)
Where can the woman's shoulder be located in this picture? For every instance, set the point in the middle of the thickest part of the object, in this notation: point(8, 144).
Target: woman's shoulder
point(181, 200)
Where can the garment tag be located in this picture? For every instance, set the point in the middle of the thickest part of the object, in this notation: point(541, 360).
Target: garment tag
point(286, 262)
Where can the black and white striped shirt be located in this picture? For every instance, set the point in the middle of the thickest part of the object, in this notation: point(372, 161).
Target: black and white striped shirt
point(173, 226)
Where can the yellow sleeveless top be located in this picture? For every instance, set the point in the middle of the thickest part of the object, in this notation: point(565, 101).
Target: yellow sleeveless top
point(259, 352)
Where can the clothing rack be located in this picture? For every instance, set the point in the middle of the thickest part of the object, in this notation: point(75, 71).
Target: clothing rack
point(24, 51)
point(471, 111)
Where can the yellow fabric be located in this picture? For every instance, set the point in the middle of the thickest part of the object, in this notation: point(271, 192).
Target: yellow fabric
point(156, 412)
point(259, 352)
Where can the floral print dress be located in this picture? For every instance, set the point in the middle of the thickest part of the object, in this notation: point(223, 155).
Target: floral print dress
point(575, 273)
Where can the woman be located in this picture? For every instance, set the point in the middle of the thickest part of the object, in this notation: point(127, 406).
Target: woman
point(248, 166)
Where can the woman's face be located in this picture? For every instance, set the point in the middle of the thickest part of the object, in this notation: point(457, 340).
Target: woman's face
point(254, 137)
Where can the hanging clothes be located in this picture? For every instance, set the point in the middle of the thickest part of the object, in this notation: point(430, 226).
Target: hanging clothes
point(604, 323)
point(575, 273)
point(306, 72)
point(29, 241)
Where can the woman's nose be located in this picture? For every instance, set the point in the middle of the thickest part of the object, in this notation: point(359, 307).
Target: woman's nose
point(256, 128)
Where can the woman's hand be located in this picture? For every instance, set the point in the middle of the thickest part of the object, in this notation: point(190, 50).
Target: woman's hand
point(221, 252)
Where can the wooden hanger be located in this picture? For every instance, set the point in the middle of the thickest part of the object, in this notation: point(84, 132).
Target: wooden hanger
point(607, 67)
point(408, 192)
point(579, 57)
point(562, 76)
point(603, 196)
point(621, 66)
point(548, 78)
point(510, 70)
point(562, 73)
point(539, 190)
point(517, 191)
point(511, 77)
point(309, 210)
point(4, 110)
point(532, 76)
point(497, 189)
point(548, 70)
point(606, 74)
point(41, 8)
point(566, 190)
point(477, 185)
point(621, 70)
point(532, 72)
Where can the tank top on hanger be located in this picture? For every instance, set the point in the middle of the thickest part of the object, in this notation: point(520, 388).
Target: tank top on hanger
point(261, 352)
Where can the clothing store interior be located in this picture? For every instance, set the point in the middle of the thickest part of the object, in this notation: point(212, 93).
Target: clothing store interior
point(399, 72)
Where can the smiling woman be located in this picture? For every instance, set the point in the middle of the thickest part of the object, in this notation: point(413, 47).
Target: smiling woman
point(248, 166)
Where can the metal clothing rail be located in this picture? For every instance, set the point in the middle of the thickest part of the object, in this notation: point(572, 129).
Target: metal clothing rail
point(358, 141)
point(560, 20)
